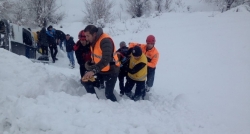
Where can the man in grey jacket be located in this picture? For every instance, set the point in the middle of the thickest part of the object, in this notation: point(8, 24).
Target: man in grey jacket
point(104, 59)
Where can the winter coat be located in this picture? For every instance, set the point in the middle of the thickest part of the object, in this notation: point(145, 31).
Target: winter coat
point(69, 44)
point(43, 38)
point(152, 54)
point(60, 35)
point(83, 53)
point(107, 47)
point(51, 38)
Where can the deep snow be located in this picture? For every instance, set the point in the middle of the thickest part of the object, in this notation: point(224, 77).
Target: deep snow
point(201, 86)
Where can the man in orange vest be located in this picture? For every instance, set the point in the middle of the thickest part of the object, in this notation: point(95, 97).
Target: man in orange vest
point(104, 59)
point(152, 55)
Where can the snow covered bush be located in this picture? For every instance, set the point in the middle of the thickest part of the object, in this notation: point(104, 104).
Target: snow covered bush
point(137, 8)
point(167, 5)
point(98, 12)
point(227, 4)
point(5, 8)
point(31, 12)
point(159, 5)
point(43, 12)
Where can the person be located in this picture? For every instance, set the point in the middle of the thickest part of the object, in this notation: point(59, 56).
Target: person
point(43, 41)
point(70, 51)
point(60, 38)
point(104, 59)
point(83, 54)
point(122, 53)
point(152, 54)
point(137, 74)
point(52, 42)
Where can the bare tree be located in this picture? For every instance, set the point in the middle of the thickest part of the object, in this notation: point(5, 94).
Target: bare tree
point(158, 5)
point(43, 12)
point(5, 8)
point(19, 12)
point(167, 4)
point(227, 3)
point(98, 12)
point(137, 8)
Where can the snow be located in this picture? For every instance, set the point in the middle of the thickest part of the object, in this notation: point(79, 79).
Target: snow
point(201, 84)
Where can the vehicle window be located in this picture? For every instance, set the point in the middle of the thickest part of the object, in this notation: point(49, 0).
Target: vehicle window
point(27, 39)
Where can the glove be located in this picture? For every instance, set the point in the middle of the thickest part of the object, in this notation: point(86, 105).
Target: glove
point(148, 88)
point(92, 79)
point(88, 66)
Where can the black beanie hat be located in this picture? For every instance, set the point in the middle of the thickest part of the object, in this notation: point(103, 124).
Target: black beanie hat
point(137, 52)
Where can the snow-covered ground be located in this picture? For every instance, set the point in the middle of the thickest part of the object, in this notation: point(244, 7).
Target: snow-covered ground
point(201, 87)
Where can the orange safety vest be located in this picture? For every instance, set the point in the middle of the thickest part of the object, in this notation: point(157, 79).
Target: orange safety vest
point(97, 53)
point(152, 54)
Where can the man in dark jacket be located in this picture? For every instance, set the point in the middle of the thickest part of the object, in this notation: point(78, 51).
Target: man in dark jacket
point(123, 58)
point(60, 38)
point(83, 54)
point(52, 42)
point(43, 41)
point(70, 51)
point(104, 60)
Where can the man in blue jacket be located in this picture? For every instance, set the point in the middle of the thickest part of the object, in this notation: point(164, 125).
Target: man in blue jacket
point(51, 34)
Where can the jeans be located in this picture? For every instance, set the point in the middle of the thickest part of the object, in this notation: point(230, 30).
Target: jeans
point(71, 57)
point(150, 76)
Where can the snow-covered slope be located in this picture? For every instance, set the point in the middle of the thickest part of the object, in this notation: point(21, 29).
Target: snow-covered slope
point(201, 86)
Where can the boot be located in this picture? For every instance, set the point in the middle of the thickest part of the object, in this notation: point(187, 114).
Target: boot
point(129, 94)
point(136, 98)
point(102, 86)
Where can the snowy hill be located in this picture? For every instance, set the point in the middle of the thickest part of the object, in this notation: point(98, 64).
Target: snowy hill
point(201, 86)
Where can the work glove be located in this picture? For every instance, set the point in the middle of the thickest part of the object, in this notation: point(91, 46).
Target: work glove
point(148, 88)
point(92, 79)
point(88, 65)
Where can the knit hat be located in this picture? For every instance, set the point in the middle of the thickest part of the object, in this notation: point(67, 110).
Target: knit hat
point(137, 52)
point(122, 43)
point(150, 39)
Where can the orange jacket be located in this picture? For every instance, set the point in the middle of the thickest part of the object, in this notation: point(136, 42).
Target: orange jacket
point(152, 54)
point(97, 53)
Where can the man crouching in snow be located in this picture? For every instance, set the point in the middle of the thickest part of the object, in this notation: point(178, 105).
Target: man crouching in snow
point(137, 74)
point(69, 49)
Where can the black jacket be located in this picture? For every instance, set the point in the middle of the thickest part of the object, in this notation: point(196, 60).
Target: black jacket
point(60, 35)
point(83, 53)
point(69, 44)
point(43, 38)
